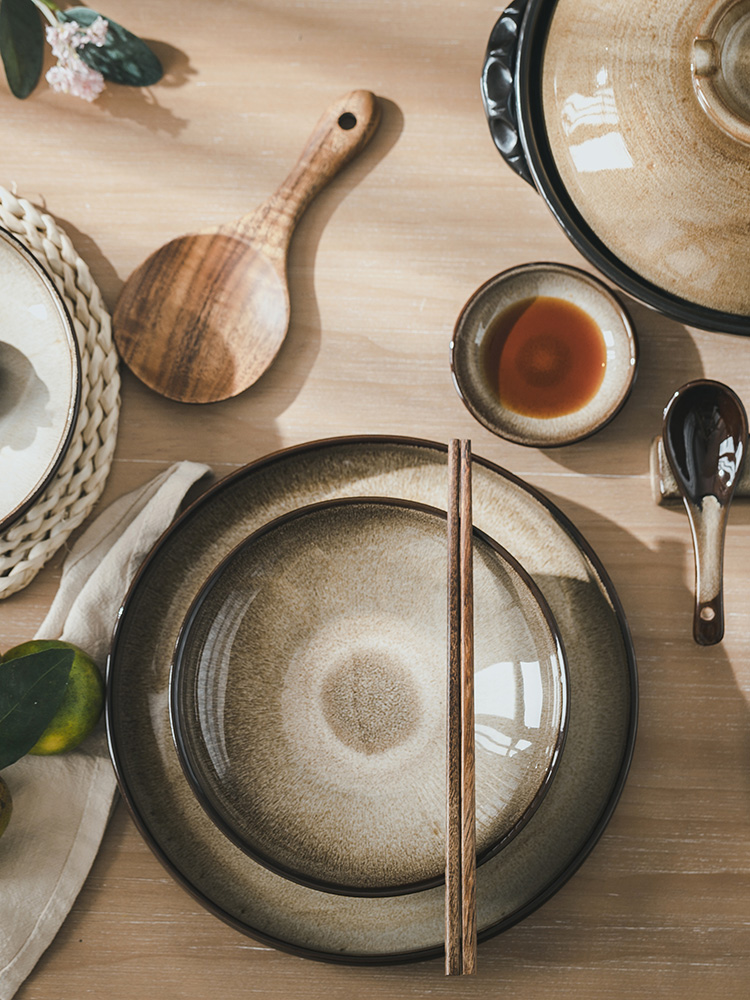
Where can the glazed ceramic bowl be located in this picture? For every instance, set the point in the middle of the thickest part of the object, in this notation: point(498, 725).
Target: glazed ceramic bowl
point(308, 696)
point(544, 355)
point(39, 380)
point(632, 119)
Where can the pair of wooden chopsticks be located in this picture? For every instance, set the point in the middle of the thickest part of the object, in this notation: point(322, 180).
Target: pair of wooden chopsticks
point(460, 854)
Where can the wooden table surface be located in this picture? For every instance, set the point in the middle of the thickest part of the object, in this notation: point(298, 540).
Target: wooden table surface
point(380, 266)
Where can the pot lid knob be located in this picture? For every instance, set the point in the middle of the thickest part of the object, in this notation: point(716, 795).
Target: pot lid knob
point(720, 65)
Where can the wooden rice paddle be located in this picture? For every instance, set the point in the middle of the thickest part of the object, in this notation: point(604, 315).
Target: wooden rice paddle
point(203, 317)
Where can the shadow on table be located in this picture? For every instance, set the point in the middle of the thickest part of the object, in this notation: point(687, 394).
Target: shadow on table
point(255, 410)
point(141, 104)
point(282, 382)
point(102, 270)
point(694, 725)
point(689, 769)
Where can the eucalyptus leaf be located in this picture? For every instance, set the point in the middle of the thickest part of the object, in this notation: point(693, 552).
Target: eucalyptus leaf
point(31, 690)
point(21, 45)
point(123, 58)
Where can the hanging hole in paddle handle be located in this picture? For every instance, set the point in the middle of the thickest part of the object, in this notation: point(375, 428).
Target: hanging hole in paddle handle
point(347, 120)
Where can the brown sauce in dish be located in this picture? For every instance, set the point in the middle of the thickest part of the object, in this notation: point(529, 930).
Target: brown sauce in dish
point(544, 357)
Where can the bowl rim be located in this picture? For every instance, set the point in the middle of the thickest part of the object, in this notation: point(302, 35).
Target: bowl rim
point(214, 811)
point(578, 274)
point(9, 519)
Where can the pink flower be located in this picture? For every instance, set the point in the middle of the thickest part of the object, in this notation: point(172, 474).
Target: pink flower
point(71, 75)
point(74, 77)
point(96, 33)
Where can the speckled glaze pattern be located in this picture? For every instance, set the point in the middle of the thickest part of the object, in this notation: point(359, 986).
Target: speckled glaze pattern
point(309, 695)
point(39, 379)
point(653, 175)
point(601, 728)
point(528, 281)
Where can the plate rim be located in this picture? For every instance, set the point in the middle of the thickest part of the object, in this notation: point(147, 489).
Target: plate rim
point(9, 519)
point(540, 897)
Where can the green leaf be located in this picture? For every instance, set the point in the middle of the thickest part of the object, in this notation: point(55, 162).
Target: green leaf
point(123, 58)
point(31, 689)
point(21, 45)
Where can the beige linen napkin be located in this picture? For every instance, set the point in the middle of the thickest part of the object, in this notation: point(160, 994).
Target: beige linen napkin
point(61, 804)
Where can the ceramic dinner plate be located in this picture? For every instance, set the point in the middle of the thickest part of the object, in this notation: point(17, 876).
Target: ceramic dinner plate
point(557, 838)
point(39, 379)
point(308, 695)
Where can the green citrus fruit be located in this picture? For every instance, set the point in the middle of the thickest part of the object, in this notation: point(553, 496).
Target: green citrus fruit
point(82, 702)
point(6, 806)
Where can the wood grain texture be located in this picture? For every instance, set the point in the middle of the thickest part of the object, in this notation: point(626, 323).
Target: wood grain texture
point(468, 778)
point(454, 742)
point(378, 274)
point(461, 841)
point(204, 316)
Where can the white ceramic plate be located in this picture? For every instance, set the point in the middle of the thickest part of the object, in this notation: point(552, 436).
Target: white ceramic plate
point(39, 379)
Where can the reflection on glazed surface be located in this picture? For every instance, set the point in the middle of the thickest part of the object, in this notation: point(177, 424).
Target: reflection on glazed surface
point(607, 150)
point(651, 173)
point(495, 697)
point(313, 686)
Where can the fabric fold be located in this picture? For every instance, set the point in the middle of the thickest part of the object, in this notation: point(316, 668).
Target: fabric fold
point(61, 804)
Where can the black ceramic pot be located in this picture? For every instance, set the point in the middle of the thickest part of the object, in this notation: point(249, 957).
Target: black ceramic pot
point(632, 120)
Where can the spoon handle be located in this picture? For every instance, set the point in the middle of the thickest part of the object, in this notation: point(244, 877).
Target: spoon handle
point(342, 132)
point(708, 524)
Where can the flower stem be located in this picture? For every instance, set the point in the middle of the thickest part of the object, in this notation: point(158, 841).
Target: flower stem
point(48, 8)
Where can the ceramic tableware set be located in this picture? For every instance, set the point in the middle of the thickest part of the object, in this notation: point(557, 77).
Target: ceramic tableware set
point(645, 171)
point(291, 768)
point(276, 686)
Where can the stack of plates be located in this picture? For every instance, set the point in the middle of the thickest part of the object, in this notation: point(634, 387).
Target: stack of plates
point(300, 797)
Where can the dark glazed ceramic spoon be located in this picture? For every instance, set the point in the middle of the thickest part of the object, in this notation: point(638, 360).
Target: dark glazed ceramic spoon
point(704, 435)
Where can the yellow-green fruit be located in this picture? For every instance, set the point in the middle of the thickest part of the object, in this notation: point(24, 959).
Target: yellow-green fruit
point(82, 702)
point(6, 806)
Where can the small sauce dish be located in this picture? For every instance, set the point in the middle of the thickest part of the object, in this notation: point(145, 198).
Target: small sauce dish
point(544, 355)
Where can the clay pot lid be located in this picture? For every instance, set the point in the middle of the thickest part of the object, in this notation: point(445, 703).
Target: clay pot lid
point(646, 108)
